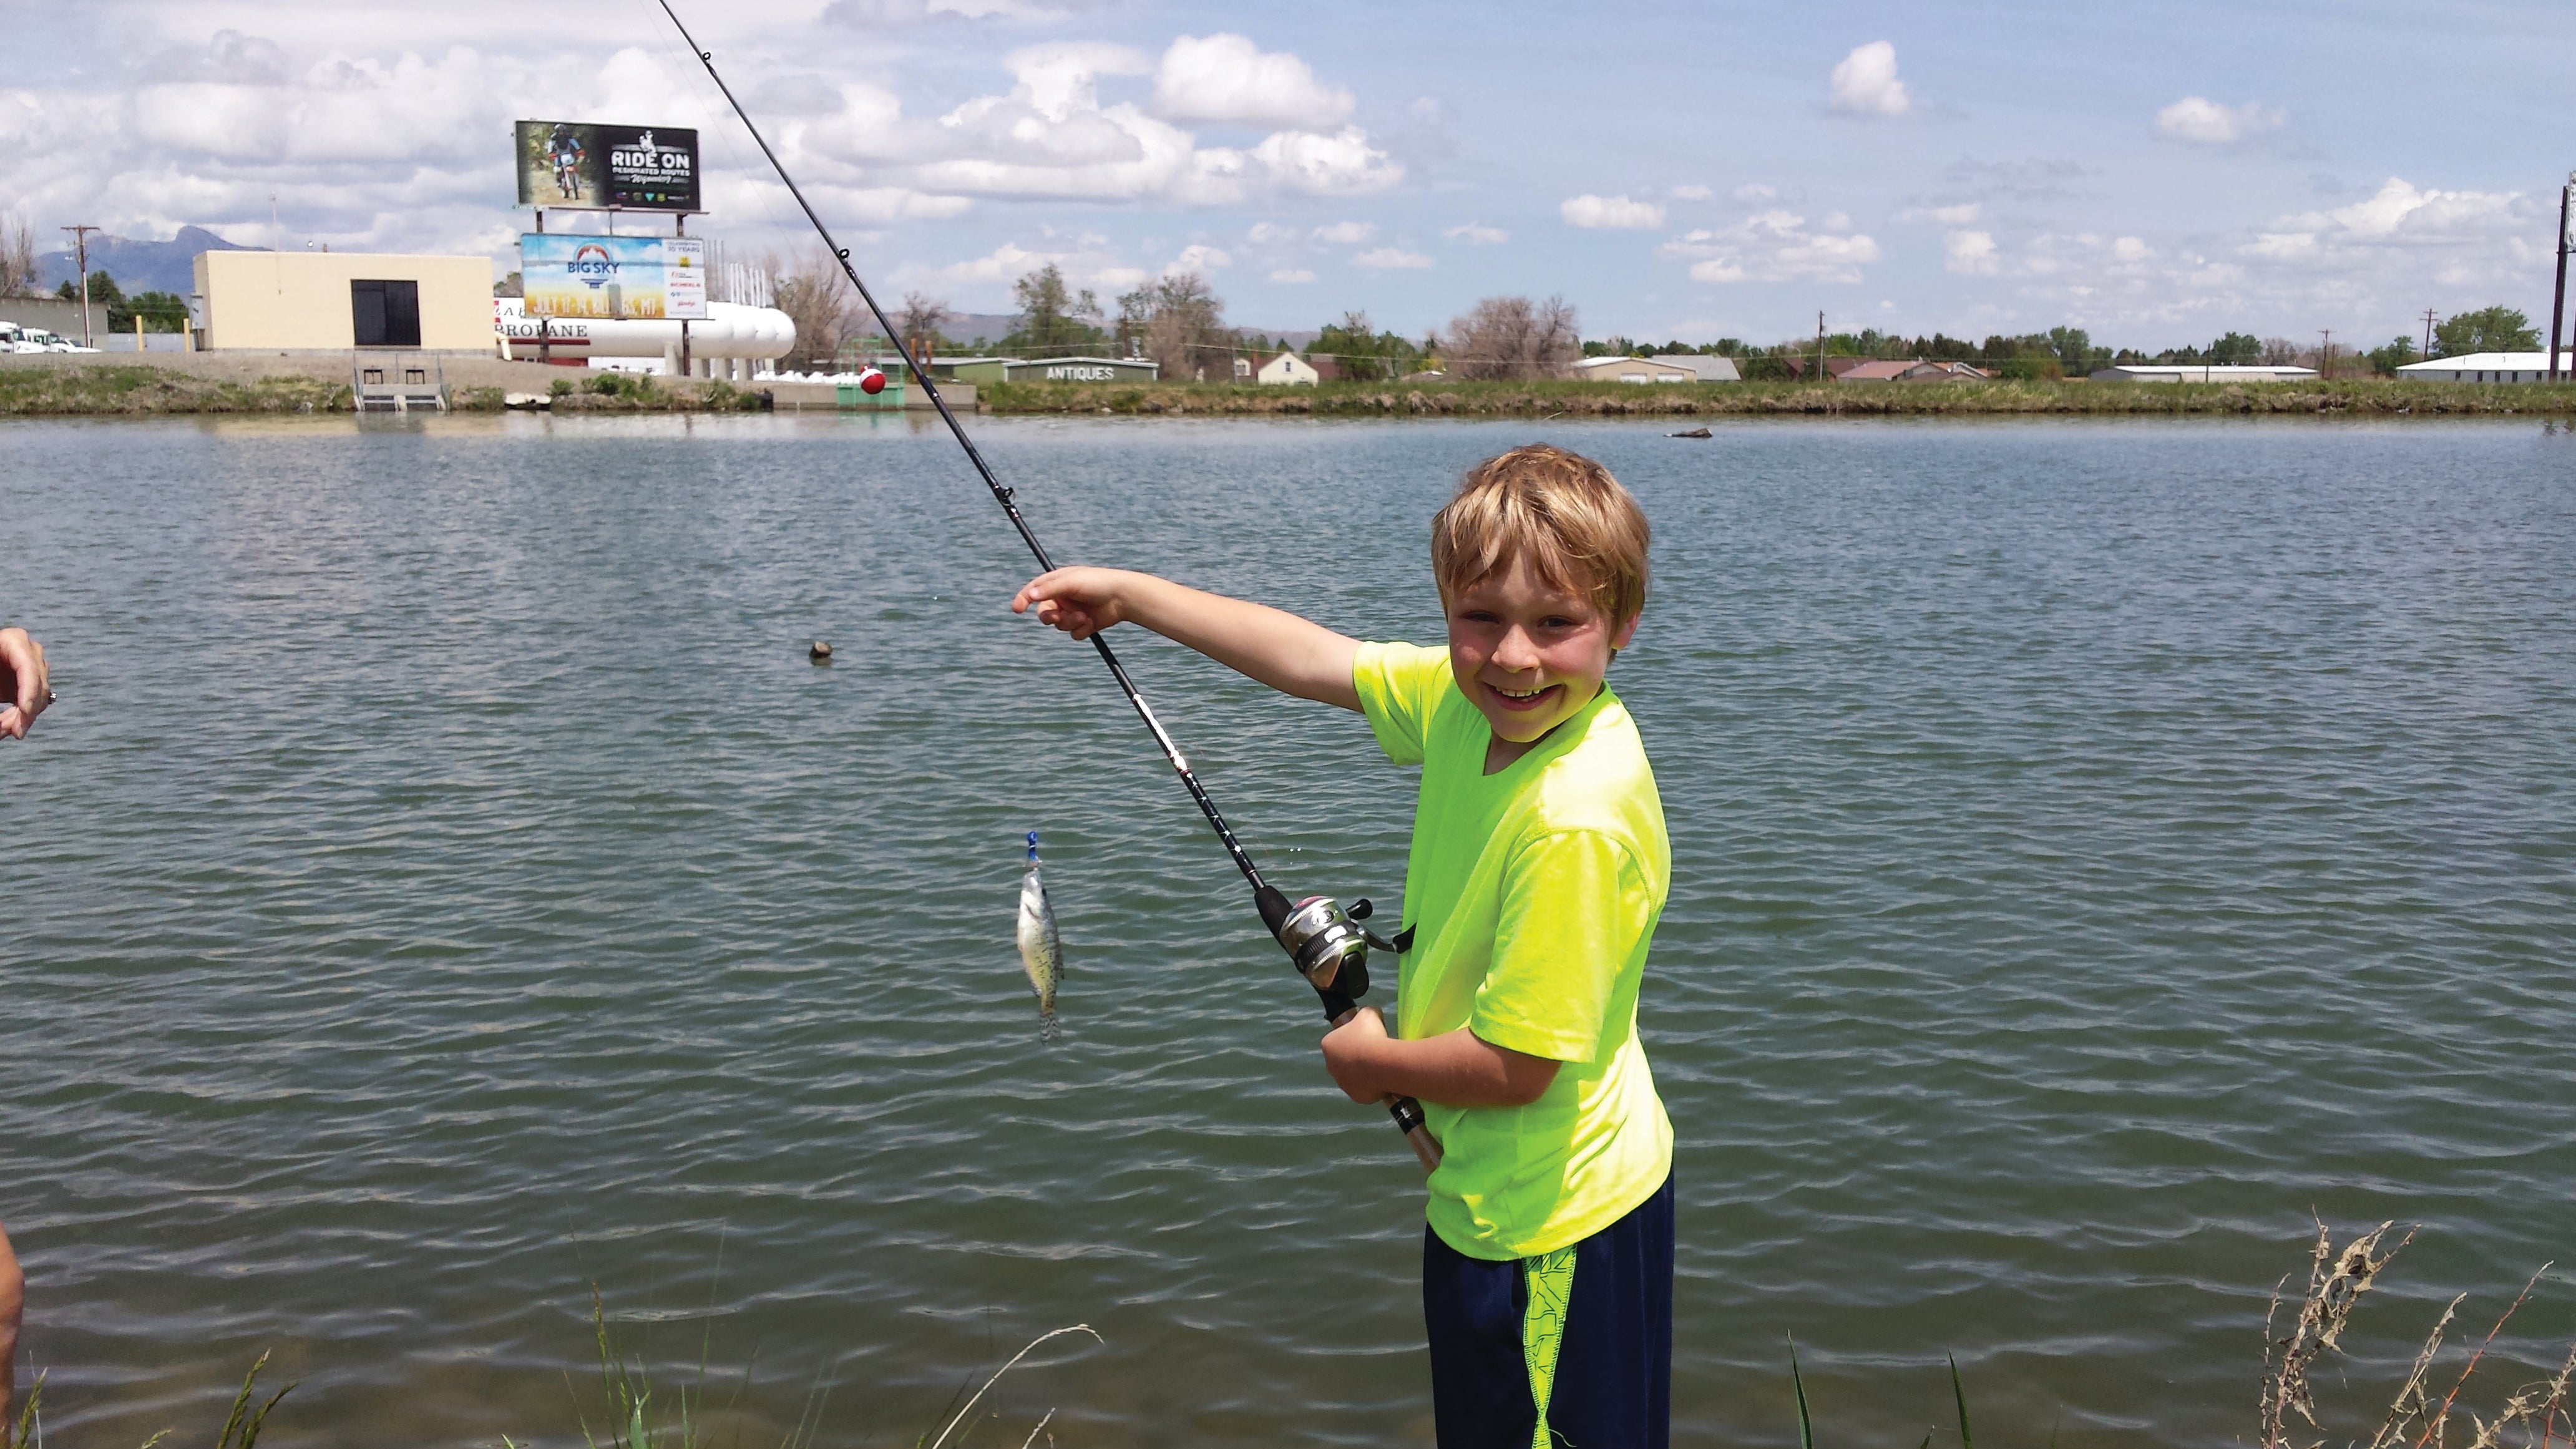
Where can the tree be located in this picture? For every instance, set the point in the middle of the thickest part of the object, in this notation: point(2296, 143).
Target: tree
point(1512, 337)
point(160, 311)
point(1180, 324)
point(103, 291)
point(17, 256)
point(1365, 355)
point(2489, 329)
point(1052, 318)
point(2280, 352)
point(815, 294)
point(920, 321)
point(2236, 349)
point(2399, 352)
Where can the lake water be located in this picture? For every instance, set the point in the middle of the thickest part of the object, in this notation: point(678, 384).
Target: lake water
point(446, 884)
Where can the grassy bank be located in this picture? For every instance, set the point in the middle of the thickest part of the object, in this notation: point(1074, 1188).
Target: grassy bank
point(2374, 397)
point(110, 389)
point(123, 389)
point(136, 390)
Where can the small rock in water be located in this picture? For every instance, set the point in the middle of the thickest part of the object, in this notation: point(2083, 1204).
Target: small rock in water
point(1693, 433)
point(821, 653)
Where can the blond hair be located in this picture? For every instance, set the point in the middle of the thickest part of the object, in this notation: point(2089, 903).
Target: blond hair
point(1560, 512)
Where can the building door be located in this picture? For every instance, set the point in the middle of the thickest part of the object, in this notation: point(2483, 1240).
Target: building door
point(385, 314)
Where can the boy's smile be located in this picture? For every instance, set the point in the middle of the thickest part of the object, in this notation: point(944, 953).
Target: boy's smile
point(1528, 655)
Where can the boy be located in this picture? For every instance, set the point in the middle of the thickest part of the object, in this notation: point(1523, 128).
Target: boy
point(1538, 869)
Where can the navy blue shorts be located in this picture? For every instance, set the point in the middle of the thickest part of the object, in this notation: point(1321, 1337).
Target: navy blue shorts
point(1605, 1309)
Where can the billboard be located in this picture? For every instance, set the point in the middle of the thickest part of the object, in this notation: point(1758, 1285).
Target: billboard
point(613, 276)
point(601, 168)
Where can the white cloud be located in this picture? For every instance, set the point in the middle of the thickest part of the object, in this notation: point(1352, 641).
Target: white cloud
point(2132, 249)
point(1390, 258)
point(1865, 84)
point(1774, 246)
point(2400, 212)
point(1346, 233)
point(1692, 193)
point(1970, 253)
point(1052, 137)
point(1198, 258)
point(1753, 191)
point(2204, 122)
point(1615, 212)
point(1477, 234)
point(1226, 78)
point(1342, 164)
point(1270, 233)
point(1955, 215)
point(1292, 275)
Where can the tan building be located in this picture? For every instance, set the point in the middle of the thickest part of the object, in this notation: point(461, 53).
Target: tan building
point(1631, 369)
point(340, 300)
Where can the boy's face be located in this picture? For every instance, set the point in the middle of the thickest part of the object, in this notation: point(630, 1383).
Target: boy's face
point(1528, 654)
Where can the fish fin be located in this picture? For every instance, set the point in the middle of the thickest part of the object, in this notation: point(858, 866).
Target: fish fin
point(1050, 1026)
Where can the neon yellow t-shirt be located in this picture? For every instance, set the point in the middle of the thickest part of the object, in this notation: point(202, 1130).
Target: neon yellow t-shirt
point(1532, 894)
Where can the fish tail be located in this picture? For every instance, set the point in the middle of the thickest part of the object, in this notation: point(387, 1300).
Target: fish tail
point(1050, 1027)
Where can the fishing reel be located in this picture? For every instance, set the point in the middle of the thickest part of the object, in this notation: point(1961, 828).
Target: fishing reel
point(1327, 944)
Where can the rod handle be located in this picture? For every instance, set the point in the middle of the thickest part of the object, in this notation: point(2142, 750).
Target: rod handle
point(1417, 1134)
point(1406, 1111)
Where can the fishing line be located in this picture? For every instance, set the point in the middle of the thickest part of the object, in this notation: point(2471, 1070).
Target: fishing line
point(1325, 941)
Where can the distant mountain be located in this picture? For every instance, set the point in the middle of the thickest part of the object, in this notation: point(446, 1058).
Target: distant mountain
point(138, 266)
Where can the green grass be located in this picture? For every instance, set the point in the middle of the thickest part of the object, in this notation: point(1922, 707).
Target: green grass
point(98, 389)
point(2378, 397)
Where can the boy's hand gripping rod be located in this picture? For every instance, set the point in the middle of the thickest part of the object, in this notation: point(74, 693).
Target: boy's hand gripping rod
point(1330, 949)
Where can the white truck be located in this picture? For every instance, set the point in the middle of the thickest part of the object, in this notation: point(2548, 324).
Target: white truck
point(14, 338)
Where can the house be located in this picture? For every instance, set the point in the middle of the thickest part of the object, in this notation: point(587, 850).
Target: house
point(1709, 369)
point(1946, 372)
point(1630, 369)
point(2487, 367)
point(1874, 370)
point(2188, 372)
point(1288, 370)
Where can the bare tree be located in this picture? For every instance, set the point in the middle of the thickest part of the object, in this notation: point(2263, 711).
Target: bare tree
point(1512, 337)
point(1184, 329)
point(921, 318)
point(815, 294)
point(17, 256)
point(2280, 352)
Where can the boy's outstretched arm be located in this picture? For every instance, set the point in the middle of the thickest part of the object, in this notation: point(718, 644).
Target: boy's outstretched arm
point(1292, 655)
point(1455, 1069)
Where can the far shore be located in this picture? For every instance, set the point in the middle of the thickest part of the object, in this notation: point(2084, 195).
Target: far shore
point(106, 385)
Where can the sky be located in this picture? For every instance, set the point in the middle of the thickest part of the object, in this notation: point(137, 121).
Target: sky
point(2157, 174)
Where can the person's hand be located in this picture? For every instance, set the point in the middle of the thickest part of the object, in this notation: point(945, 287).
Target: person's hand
point(23, 690)
point(1350, 1055)
point(1080, 601)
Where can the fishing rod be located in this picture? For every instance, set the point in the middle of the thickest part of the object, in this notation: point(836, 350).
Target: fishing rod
point(1325, 941)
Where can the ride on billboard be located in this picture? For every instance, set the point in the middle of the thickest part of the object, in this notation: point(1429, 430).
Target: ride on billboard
point(563, 275)
point(575, 166)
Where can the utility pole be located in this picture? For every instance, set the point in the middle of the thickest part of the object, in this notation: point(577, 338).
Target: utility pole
point(80, 252)
point(2325, 352)
point(1820, 347)
point(2558, 303)
point(2430, 316)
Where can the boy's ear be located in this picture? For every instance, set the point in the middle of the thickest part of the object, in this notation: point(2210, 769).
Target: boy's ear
point(1626, 632)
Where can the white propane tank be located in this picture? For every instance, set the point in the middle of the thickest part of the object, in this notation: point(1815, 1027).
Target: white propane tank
point(729, 330)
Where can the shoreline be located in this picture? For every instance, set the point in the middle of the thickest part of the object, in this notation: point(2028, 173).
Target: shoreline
point(105, 387)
